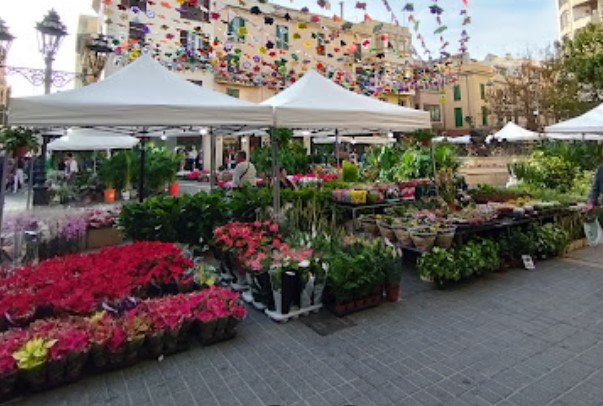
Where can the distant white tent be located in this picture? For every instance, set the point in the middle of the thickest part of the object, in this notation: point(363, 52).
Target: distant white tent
point(329, 132)
point(589, 122)
point(317, 102)
point(511, 132)
point(575, 136)
point(464, 139)
point(355, 140)
point(85, 139)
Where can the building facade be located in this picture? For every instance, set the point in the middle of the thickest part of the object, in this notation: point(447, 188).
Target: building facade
point(462, 103)
point(253, 49)
point(572, 15)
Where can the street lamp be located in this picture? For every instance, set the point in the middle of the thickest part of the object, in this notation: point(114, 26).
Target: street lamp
point(51, 32)
point(6, 40)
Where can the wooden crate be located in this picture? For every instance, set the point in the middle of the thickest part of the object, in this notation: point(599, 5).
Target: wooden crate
point(103, 237)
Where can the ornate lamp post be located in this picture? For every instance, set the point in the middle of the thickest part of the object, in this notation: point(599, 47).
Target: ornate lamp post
point(51, 32)
point(6, 40)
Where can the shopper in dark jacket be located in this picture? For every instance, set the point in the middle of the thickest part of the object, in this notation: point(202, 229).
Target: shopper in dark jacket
point(596, 189)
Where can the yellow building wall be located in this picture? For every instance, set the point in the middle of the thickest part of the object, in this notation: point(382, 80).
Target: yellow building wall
point(469, 79)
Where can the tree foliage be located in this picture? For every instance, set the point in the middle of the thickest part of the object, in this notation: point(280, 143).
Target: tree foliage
point(583, 57)
point(291, 155)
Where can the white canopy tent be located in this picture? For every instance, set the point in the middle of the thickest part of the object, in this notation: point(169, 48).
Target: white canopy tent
point(589, 122)
point(575, 136)
point(511, 132)
point(464, 139)
point(355, 140)
point(85, 139)
point(143, 93)
point(332, 132)
point(317, 102)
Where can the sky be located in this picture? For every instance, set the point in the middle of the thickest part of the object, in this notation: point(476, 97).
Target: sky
point(519, 27)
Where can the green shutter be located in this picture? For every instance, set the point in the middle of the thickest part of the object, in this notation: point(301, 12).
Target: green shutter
point(458, 117)
point(485, 116)
point(282, 37)
point(482, 91)
point(457, 93)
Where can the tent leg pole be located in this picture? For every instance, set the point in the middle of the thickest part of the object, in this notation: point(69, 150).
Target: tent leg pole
point(212, 161)
point(337, 145)
point(29, 184)
point(143, 144)
point(276, 190)
point(435, 173)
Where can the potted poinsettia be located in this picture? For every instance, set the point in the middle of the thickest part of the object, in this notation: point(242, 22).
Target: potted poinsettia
point(31, 360)
point(100, 332)
point(9, 343)
point(136, 326)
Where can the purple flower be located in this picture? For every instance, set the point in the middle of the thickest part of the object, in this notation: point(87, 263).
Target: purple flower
point(74, 228)
point(25, 222)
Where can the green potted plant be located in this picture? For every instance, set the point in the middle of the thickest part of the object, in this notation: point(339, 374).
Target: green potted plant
point(438, 266)
point(19, 140)
point(31, 361)
point(171, 174)
point(107, 175)
point(392, 264)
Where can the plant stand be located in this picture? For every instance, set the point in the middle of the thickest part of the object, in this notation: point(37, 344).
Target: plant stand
point(293, 314)
point(247, 297)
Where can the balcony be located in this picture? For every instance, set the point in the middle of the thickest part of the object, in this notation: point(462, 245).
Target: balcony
point(582, 21)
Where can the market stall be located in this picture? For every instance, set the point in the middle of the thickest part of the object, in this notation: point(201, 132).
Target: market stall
point(143, 94)
point(317, 102)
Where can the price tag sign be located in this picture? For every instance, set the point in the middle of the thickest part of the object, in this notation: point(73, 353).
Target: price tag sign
point(528, 262)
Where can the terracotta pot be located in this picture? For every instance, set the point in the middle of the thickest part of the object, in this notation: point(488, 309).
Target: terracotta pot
point(20, 152)
point(174, 189)
point(109, 195)
point(392, 292)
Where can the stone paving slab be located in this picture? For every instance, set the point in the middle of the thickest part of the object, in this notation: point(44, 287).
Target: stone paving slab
point(512, 338)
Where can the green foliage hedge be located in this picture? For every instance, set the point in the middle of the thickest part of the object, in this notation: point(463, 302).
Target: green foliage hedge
point(485, 255)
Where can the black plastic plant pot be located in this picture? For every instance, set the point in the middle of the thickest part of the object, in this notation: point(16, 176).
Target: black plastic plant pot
point(265, 289)
point(290, 290)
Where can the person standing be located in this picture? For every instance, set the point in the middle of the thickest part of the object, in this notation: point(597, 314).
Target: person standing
point(19, 175)
point(244, 172)
point(71, 167)
point(596, 190)
point(190, 159)
point(284, 181)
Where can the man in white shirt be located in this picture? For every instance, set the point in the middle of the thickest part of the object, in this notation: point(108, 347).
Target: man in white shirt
point(71, 167)
point(244, 173)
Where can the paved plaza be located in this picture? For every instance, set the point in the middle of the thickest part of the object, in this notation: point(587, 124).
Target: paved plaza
point(512, 338)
